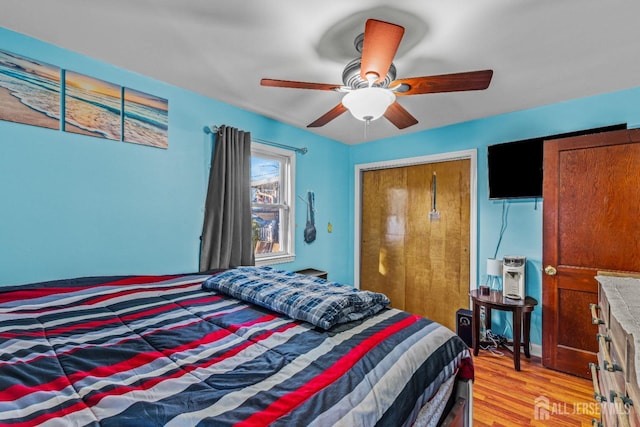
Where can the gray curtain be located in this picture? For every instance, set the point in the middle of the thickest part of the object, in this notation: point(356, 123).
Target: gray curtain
point(226, 232)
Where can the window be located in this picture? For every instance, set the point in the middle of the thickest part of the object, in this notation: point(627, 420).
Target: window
point(272, 204)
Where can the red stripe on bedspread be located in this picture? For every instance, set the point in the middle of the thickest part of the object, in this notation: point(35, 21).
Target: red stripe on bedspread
point(107, 297)
point(466, 369)
point(25, 295)
point(18, 391)
point(186, 369)
point(288, 402)
point(48, 416)
point(97, 324)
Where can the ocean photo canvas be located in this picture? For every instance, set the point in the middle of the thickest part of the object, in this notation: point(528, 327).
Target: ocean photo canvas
point(146, 119)
point(29, 91)
point(92, 106)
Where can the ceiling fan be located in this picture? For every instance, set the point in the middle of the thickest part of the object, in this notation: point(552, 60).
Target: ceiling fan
point(370, 81)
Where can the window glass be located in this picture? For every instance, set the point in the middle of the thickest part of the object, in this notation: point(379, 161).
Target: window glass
point(271, 204)
point(265, 180)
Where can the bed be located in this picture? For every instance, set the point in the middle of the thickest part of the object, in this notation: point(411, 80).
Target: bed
point(175, 350)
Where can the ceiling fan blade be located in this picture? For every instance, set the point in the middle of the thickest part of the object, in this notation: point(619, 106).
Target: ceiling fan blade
point(298, 85)
point(400, 117)
point(381, 41)
point(471, 80)
point(328, 116)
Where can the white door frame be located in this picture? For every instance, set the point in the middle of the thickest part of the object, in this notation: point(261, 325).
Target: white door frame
point(472, 155)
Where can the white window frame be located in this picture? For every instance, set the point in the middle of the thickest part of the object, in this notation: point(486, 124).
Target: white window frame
point(287, 203)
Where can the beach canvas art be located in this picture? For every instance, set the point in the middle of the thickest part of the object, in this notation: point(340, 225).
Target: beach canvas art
point(29, 91)
point(146, 119)
point(92, 106)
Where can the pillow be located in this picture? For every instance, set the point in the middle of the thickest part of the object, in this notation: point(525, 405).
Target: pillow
point(307, 298)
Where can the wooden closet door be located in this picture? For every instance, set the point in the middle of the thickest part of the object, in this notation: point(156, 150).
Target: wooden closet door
point(423, 266)
point(590, 213)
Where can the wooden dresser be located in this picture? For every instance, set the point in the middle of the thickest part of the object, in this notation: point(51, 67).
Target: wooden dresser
point(615, 377)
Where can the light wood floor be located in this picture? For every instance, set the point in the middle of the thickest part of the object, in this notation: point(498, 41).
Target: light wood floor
point(504, 397)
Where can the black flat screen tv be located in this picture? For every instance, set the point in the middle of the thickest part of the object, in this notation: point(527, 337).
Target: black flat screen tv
point(515, 169)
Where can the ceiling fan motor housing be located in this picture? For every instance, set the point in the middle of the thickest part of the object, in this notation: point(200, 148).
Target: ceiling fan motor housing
point(351, 76)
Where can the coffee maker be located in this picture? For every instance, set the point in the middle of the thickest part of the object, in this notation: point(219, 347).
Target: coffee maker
point(513, 277)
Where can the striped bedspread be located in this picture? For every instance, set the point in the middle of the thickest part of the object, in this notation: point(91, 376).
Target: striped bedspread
point(149, 351)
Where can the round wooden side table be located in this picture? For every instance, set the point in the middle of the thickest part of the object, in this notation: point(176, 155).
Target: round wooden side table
point(521, 310)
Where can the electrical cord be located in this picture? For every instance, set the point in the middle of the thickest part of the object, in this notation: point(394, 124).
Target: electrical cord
point(503, 226)
point(495, 340)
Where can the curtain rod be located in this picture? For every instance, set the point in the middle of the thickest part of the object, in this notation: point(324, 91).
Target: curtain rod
point(303, 150)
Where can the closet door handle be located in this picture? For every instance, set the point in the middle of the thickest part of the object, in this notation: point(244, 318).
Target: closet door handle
point(550, 270)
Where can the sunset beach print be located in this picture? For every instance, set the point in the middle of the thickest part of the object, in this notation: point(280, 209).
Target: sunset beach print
point(146, 119)
point(92, 106)
point(29, 91)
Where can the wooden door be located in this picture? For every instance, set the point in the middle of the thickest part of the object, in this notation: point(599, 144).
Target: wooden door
point(591, 209)
point(422, 265)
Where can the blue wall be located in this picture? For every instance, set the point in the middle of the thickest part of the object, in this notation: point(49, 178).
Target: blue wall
point(73, 205)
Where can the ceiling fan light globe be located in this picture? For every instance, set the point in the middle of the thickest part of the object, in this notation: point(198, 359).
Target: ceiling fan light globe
point(369, 103)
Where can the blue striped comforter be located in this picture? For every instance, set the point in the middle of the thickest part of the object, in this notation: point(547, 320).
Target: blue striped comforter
point(159, 350)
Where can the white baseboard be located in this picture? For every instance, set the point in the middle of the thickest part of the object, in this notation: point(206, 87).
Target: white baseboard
point(536, 350)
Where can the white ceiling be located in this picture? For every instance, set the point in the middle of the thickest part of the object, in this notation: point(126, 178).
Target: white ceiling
point(541, 51)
